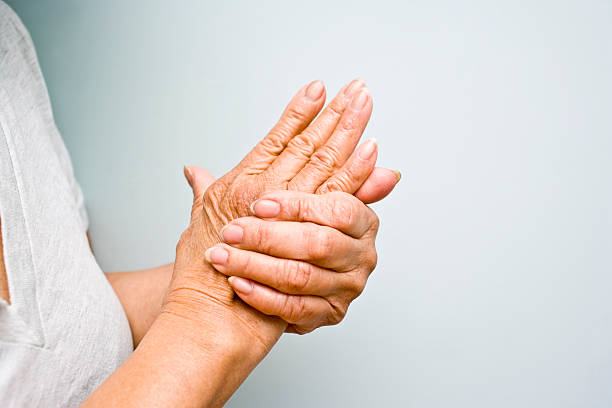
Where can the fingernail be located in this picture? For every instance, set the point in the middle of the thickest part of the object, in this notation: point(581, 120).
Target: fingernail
point(398, 175)
point(240, 285)
point(359, 100)
point(354, 86)
point(367, 149)
point(188, 174)
point(216, 255)
point(232, 234)
point(265, 208)
point(314, 90)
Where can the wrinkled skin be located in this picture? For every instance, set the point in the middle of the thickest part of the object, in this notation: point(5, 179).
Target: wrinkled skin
point(296, 155)
point(302, 257)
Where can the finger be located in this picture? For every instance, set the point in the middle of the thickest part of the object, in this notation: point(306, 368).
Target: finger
point(309, 312)
point(380, 183)
point(354, 172)
point(285, 275)
point(340, 211)
point(326, 160)
point(199, 180)
point(304, 241)
point(302, 109)
point(301, 147)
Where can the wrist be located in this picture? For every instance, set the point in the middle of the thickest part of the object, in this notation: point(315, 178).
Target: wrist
point(225, 342)
point(207, 313)
point(179, 363)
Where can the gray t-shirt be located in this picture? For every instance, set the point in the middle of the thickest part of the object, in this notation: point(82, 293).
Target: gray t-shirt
point(65, 330)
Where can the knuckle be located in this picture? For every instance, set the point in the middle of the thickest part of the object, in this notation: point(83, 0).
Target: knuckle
point(345, 210)
point(328, 187)
point(239, 197)
point(303, 144)
point(215, 192)
point(246, 263)
point(375, 222)
point(336, 313)
point(349, 123)
point(356, 287)
point(297, 113)
point(335, 109)
point(370, 260)
point(293, 308)
point(340, 182)
point(325, 159)
point(320, 243)
point(273, 143)
point(305, 210)
point(262, 237)
point(296, 276)
point(303, 330)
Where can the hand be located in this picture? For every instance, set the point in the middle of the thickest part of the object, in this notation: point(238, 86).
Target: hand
point(202, 331)
point(305, 260)
point(295, 155)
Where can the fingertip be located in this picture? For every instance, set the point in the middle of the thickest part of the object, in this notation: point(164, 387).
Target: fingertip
point(216, 255)
point(398, 175)
point(241, 286)
point(188, 175)
point(265, 208)
point(380, 183)
point(315, 90)
point(353, 86)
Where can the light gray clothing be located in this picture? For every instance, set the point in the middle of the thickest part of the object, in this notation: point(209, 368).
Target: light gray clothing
point(65, 330)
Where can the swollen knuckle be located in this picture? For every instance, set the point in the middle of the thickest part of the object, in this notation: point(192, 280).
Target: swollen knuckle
point(293, 308)
point(375, 222)
point(303, 144)
point(273, 143)
point(305, 208)
point(303, 330)
point(340, 183)
point(345, 210)
point(297, 276)
point(324, 159)
point(262, 237)
point(297, 113)
point(336, 313)
point(320, 243)
point(357, 287)
point(371, 260)
point(328, 187)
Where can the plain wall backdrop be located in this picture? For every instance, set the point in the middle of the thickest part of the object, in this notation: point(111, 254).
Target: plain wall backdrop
point(495, 274)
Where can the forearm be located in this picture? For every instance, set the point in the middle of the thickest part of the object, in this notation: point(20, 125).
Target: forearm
point(180, 363)
point(141, 294)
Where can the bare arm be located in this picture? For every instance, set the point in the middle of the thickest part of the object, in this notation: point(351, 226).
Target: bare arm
point(205, 341)
point(141, 294)
point(184, 361)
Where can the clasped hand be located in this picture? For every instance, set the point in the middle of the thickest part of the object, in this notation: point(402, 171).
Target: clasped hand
point(288, 225)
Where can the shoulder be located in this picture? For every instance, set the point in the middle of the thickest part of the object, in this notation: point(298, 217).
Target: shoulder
point(11, 28)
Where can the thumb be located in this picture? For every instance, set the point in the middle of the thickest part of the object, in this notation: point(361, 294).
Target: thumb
point(199, 180)
point(378, 185)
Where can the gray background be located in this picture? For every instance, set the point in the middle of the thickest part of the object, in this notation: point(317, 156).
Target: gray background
point(493, 287)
